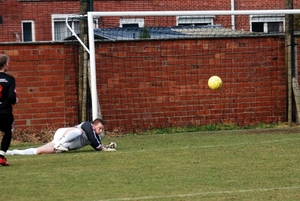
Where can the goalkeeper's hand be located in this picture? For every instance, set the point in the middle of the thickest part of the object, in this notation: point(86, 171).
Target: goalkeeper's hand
point(111, 145)
point(108, 149)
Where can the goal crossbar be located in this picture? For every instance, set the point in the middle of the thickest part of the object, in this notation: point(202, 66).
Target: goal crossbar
point(93, 14)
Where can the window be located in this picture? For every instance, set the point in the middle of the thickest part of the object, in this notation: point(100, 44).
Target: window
point(28, 31)
point(137, 22)
point(195, 20)
point(60, 30)
point(267, 23)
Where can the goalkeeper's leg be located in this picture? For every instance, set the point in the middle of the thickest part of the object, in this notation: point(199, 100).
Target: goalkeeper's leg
point(29, 151)
point(65, 136)
point(77, 143)
point(45, 149)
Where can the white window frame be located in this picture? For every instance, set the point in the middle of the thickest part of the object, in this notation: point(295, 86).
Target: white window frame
point(32, 30)
point(139, 21)
point(202, 19)
point(265, 19)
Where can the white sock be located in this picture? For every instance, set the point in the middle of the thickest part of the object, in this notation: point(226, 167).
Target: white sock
point(9, 152)
point(30, 151)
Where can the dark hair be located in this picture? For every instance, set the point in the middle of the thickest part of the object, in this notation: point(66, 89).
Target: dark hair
point(97, 121)
point(3, 60)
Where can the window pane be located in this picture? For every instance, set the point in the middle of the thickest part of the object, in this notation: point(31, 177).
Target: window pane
point(194, 24)
point(76, 27)
point(274, 27)
point(130, 25)
point(27, 31)
point(60, 30)
point(257, 27)
point(69, 33)
point(195, 20)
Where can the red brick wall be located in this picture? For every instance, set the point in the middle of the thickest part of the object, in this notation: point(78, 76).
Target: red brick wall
point(151, 84)
point(45, 83)
point(164, 83)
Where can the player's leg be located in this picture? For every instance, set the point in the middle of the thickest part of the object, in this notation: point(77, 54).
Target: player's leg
point(7, 123)
point(77, 143)
point(29, 151)
point(46, 149)
point(58, 134)
point(69, 135)
point(5, 143)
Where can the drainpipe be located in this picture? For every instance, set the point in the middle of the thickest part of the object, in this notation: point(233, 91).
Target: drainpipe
point(232, 16)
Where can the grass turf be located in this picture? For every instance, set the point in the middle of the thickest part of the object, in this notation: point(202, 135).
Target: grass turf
point(220, 165)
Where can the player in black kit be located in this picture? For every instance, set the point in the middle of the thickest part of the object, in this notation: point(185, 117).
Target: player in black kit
point(8, 98)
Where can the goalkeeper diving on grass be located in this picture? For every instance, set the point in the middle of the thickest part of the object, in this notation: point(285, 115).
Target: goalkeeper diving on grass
point(71, 138)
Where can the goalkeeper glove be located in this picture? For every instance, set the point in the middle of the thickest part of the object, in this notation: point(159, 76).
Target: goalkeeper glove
point(111, 145)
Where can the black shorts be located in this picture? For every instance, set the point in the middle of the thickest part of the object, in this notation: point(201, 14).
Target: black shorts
point(6, 122)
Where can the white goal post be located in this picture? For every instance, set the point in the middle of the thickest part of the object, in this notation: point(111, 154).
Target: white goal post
point(93, 14)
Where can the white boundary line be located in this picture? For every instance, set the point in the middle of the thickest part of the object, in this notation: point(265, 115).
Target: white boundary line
point(203, 193)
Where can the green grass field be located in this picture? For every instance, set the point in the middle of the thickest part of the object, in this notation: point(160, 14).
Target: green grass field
point(222, 165)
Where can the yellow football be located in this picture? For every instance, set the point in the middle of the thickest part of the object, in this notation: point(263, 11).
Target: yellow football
point(215, 82)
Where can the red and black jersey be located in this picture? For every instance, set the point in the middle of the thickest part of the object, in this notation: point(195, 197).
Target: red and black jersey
point(8, 95)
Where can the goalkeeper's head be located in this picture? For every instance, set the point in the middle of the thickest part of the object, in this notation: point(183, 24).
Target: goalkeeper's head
point(98, 125)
